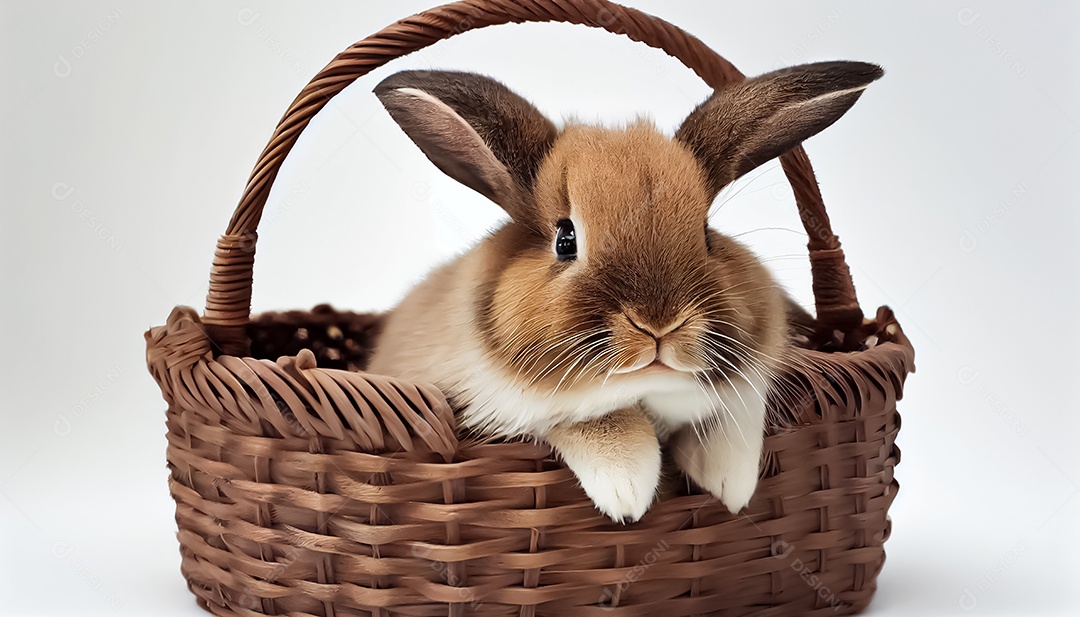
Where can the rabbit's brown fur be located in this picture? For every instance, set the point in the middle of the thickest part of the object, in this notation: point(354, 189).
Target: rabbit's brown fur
point(657, 327)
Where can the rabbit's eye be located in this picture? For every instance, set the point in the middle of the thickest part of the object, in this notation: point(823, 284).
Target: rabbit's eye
point(565, 240)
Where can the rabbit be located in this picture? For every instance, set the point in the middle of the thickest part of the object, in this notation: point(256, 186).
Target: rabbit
point(607, 316)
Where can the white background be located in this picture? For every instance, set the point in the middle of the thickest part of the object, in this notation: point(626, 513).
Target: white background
point(127, 130)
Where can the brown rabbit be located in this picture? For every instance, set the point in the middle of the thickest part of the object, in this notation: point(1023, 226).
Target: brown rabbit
point(607, 313)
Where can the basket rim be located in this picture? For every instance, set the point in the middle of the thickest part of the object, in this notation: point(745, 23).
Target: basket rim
point(302, 400)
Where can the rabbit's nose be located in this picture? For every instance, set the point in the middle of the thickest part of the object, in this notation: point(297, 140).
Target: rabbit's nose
point(654, 331)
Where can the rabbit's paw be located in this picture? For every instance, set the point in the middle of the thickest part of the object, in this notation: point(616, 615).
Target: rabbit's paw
point(623, 487)
point(729, 473)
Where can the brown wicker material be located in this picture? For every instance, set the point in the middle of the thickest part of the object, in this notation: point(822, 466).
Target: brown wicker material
point(305, 486)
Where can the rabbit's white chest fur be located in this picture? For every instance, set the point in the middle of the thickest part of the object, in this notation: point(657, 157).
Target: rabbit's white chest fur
point(494, 405)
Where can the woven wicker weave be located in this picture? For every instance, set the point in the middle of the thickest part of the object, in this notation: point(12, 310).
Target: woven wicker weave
point(305, 486)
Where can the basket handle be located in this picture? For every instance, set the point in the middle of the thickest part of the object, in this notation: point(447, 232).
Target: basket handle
point(228, 302)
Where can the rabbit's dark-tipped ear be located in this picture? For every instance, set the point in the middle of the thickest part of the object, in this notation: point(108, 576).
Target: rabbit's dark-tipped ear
point(742, 126)
point(475, 130)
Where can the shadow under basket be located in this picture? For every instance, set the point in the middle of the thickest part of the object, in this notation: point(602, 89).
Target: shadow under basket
point(305, 486)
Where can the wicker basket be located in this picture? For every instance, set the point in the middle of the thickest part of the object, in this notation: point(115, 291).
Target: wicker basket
point(305, 486)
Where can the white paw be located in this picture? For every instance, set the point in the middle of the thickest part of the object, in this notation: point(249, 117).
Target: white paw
point(736, 480)
point(729, 473)
point(622, 490)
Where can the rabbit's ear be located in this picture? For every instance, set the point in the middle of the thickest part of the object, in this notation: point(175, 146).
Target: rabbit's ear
point(475, 130)
point(740, 127)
